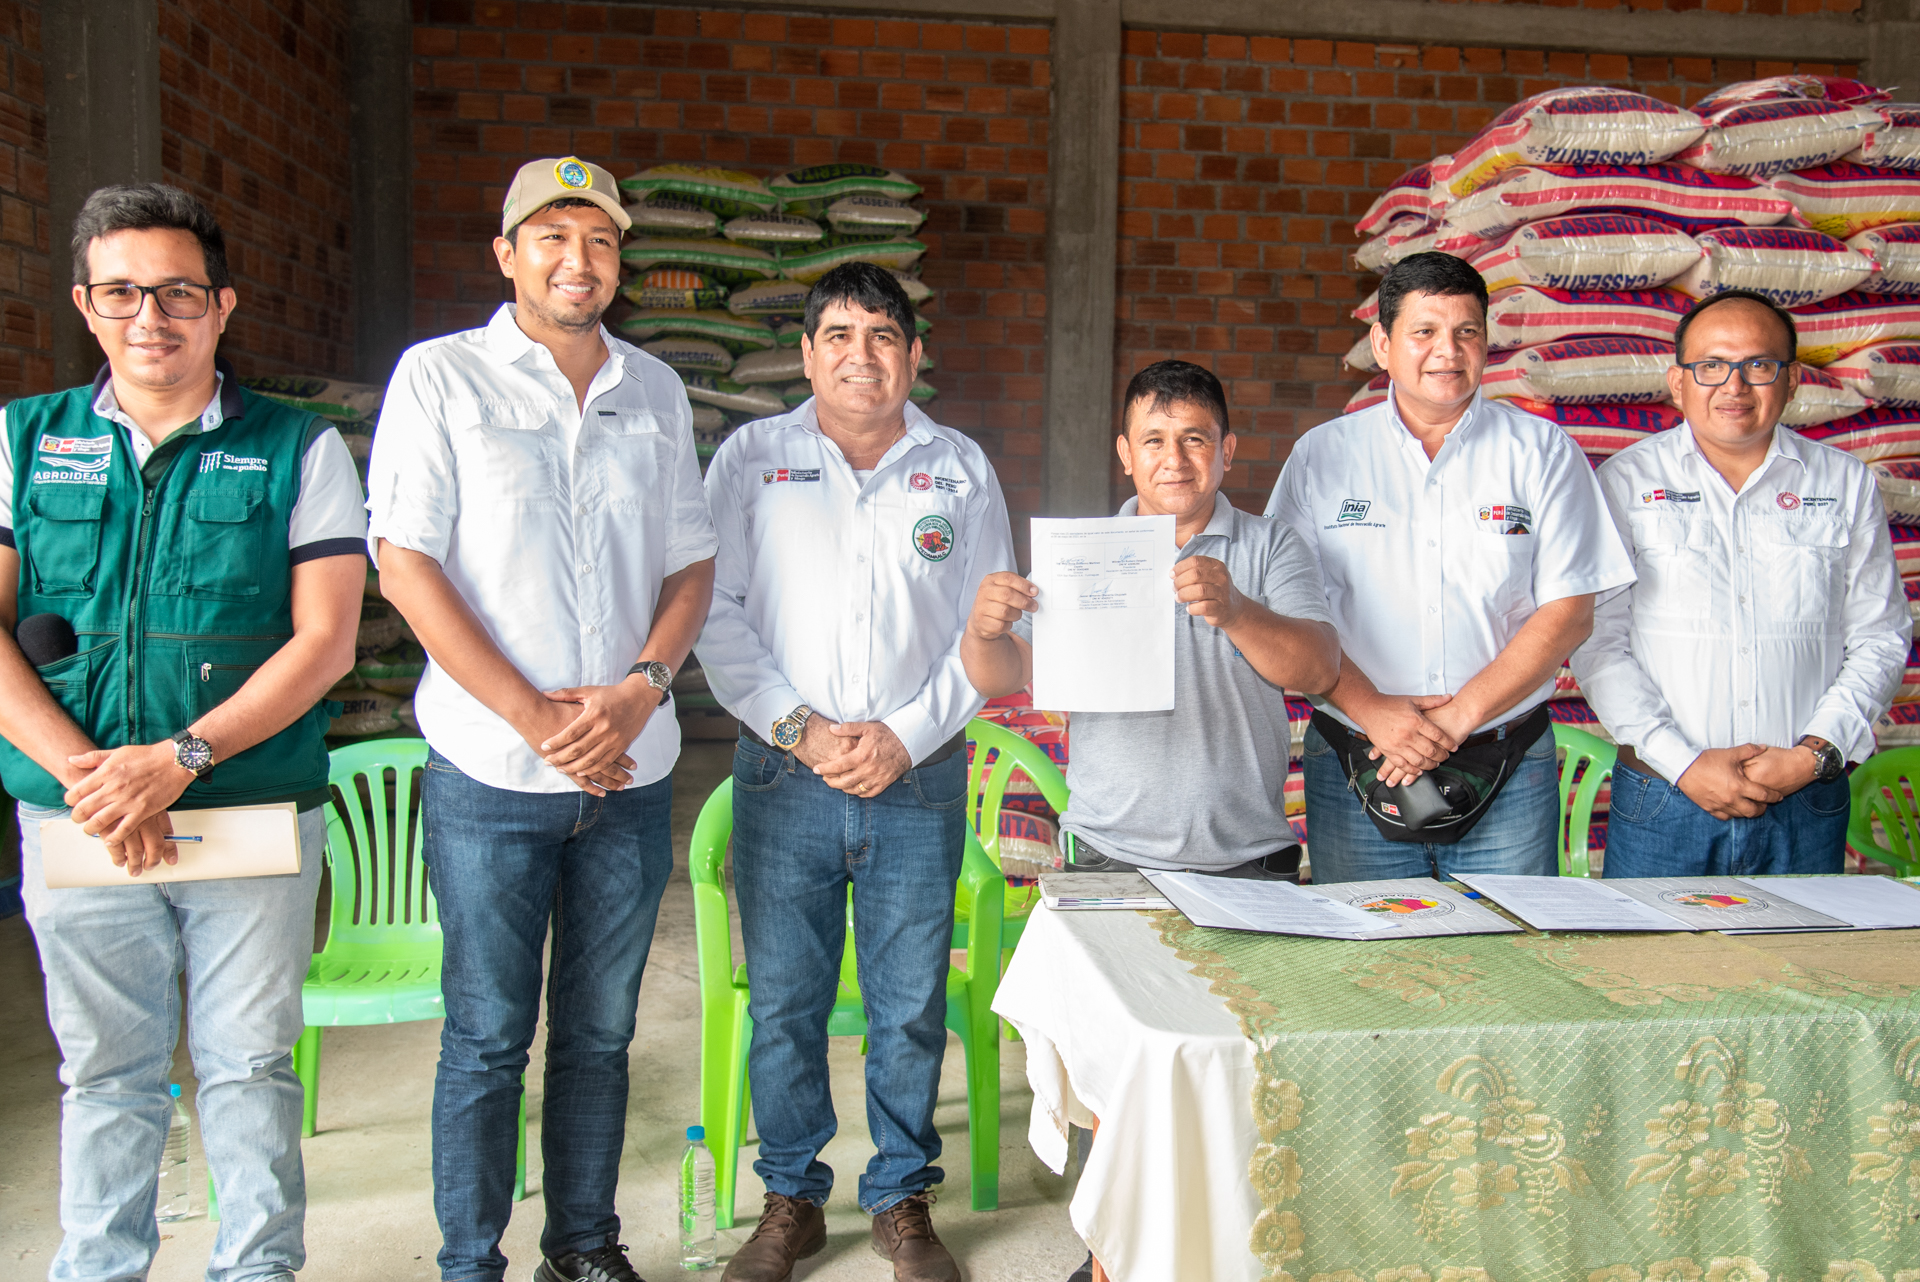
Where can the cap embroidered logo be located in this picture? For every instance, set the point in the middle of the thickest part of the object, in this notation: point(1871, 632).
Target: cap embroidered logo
point(572, 175)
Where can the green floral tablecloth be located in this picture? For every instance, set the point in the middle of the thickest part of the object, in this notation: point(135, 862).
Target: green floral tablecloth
point(1579, 1108)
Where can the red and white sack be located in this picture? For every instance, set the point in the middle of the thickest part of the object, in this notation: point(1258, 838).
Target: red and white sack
point(1627, 371)
point(1895, 144)
point(1791, 265)
point(1895, 251)
point(1359, 357)
point(1411, 195)
point(1831, 329)
point(1369, 310)
point(1760, 139)
point(1909, 689)
point(1526, 315)
point(1587, 125)
point(1845, 199)
point(1797, 85)
point(1899, 481)
point(1588, 251)
point(1377, 254)
point(1870, 435)
point(1391, 247)
point(1898, 728)
point(1820, 398)
point(1691, 199)
point(1887, 374)
point(1370, 395)
point(1603, 430)
point(1906, 549)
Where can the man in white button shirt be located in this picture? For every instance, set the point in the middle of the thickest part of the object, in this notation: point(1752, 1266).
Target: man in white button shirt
point(854, 532)
point(1767, 629)
point(537, 518)
point(1461, 543)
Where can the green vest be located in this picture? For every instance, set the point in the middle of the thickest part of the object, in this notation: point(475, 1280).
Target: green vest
point(175, 577)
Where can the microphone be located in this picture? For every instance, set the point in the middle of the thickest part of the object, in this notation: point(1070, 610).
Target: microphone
point(45, 638)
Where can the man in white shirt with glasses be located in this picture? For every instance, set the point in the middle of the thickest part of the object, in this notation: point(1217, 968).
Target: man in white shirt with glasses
point(1767, 629)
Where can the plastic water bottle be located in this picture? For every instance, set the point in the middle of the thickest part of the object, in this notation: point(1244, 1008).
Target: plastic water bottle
point(697, 1245)
point(176, 1165)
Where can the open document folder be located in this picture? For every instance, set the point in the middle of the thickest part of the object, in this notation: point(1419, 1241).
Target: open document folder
point(1398, 909)
point(236, 841)
point(1651, 903)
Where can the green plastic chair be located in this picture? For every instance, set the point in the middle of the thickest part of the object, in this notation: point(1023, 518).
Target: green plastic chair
point(381, 961)
point(1580, 749)
point(987, 782)
point(1883, 786)
point(726, 1030)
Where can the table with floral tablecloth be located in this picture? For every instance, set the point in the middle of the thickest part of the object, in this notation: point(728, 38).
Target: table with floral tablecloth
point(1494, 1108)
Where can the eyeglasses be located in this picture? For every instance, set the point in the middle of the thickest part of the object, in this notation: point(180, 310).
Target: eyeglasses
point(120, 300)
point(1757, 371)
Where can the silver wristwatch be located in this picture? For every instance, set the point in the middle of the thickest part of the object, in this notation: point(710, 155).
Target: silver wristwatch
point(658, 674)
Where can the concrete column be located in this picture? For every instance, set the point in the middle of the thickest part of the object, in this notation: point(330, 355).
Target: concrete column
point(1893, 47)
point(381, 93)
point(103, 126)
point(1082, 250)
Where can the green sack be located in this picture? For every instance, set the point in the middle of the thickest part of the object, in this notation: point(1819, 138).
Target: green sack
point(775, 231)
point(789, 333)
point(735, 333)
point(922, 391)
point(919, 293)
point(721, 260)
point(672, 216)
point(727, 192)
point(707, 418)
point(393, 671)
point(873, 216)
point(328, 397)
point(811, 264)
point(770, 298)
point(795, 394)
point(690, 355)
point(809, 191)
point(674, 289)
point(760, 402)
point(781, 365)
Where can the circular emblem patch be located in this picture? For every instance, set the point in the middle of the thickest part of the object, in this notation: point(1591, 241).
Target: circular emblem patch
point(1787, 501)
point(572, 175)
point(1725, 903)
point(1403, 905)
point(919, 481)
point(933, 537)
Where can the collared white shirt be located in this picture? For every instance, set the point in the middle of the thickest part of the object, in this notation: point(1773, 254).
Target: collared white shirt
point(848, 595)
point(559, 552)
point(1758, 617)
point(329, 517)
point(1432, 567)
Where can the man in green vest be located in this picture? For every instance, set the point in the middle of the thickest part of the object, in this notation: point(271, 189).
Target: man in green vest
point(188, 559)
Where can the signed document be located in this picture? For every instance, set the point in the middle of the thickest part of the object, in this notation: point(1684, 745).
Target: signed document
point(1103, 630)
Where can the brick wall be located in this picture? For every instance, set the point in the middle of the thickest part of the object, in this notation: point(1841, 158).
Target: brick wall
point(254, 119)
point(1244, 163)
point(26, 293)
point(961, 108)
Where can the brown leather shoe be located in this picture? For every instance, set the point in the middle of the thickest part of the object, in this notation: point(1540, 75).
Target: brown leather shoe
point(904, 1234)
point(790, 1228)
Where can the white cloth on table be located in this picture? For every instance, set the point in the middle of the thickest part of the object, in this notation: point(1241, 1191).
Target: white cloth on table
point(1116, 1028)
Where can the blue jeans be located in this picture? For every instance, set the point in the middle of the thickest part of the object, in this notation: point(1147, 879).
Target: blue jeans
point(1656, 830)
point(1518, 834)
point(504, 865)
point(797, 845)
point(113, 956)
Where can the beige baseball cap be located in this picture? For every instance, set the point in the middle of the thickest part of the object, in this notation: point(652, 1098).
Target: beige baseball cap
point(541, 182)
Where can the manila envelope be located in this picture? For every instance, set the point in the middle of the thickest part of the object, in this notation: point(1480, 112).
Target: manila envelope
point(239, 841)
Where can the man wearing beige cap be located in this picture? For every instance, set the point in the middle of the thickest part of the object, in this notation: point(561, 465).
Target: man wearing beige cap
point(538, 518)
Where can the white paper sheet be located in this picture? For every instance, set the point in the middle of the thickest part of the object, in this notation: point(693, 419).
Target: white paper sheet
point(1864, 903)
point(1103, 627)
point(1569, 903)
point(1270, 907)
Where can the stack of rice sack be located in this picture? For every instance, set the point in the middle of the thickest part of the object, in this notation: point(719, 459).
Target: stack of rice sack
point(376, 698)
point(720, 263)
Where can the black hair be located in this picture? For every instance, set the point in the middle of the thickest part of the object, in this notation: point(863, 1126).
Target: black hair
point(1165, 383)
point(565, 202)
point(145, 207)
point(1780, 313)
point(1429, 273)
point(870, 288)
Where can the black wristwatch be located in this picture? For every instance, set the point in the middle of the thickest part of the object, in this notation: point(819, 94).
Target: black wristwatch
point(1829, 764)
point(658, 675)
point(191, 752)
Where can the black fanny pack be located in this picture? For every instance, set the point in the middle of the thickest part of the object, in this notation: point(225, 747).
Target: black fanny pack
point(1442, 805)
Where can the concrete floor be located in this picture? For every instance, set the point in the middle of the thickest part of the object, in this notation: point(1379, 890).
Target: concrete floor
point(370, 1196)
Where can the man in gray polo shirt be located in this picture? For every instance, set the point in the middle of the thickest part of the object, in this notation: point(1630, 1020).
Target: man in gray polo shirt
point(1197, 787)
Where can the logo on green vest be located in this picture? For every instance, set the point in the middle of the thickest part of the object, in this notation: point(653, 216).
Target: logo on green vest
point(220, 460)
point(81, 460)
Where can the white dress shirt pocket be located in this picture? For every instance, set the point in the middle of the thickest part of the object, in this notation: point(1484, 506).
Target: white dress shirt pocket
point(1674, 558)
point(504, 452)
point(1800, 570)
point(922, 530)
